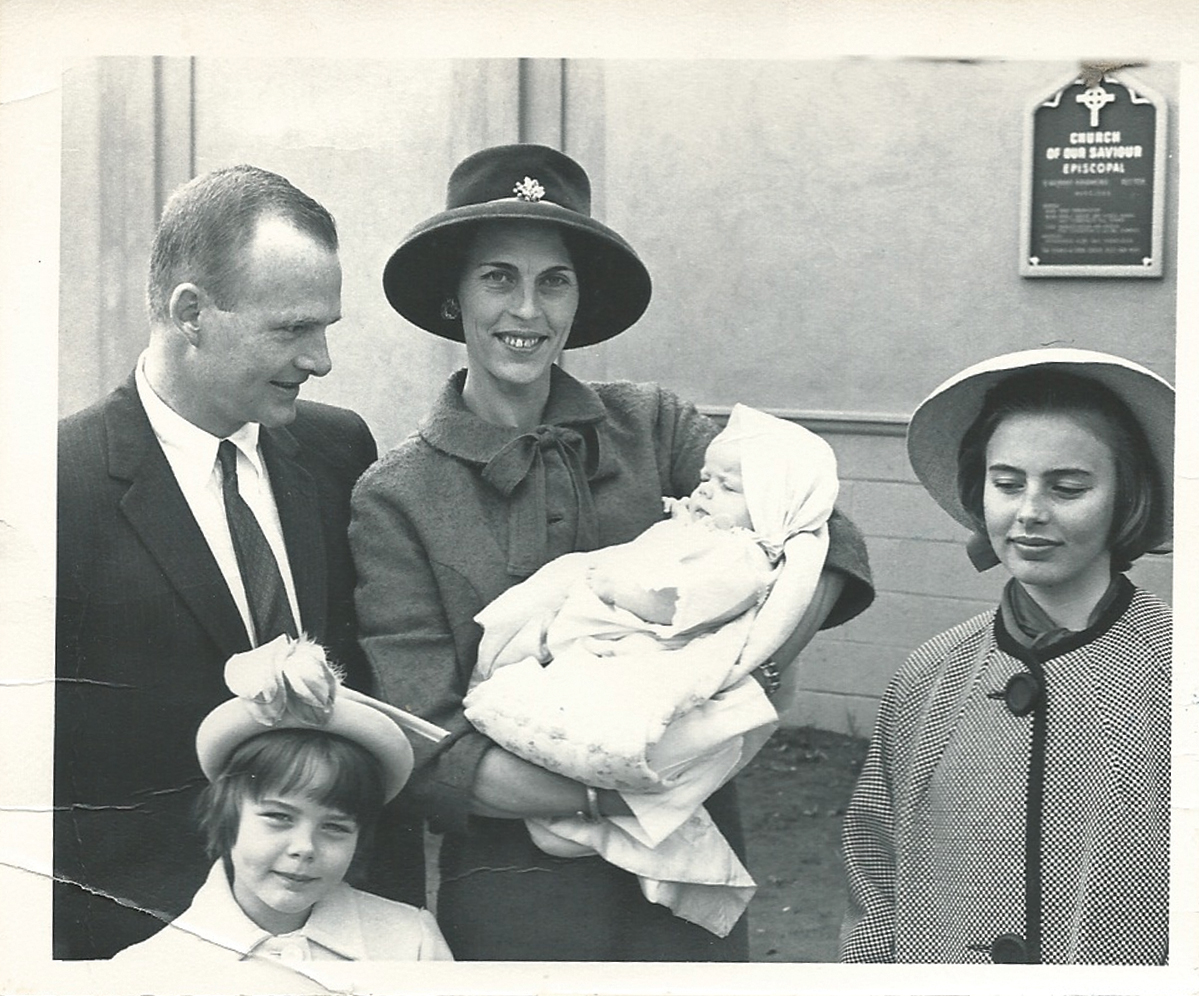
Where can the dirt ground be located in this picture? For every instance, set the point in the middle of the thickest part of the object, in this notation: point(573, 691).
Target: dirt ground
point(792, 797)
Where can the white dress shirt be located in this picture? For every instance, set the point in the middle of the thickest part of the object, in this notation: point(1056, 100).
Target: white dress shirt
point(192, 454)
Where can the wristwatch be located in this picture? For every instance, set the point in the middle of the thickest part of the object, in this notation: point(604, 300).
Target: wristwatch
point(767, 675)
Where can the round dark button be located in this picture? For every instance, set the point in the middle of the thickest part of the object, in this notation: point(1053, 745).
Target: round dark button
point(1009, 949)
point(1022, 693)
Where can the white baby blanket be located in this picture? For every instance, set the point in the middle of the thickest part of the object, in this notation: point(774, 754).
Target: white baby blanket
point(664, 714)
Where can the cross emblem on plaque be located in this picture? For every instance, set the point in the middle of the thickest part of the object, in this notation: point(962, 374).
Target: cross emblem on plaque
point(1094, 98)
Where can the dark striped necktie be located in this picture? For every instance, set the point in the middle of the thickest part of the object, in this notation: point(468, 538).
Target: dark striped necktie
point(269, 608)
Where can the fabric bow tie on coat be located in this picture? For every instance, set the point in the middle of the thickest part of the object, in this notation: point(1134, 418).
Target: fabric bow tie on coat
point(522, 461)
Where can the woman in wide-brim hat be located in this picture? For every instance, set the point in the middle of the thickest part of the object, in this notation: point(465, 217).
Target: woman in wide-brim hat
point(1014, 805)
point(516, 464)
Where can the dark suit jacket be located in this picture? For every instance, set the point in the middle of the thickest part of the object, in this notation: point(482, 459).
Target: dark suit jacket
point(145, 623)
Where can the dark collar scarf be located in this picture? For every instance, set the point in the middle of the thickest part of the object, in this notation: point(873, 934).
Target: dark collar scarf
point(512, 462)
point(1031, 626)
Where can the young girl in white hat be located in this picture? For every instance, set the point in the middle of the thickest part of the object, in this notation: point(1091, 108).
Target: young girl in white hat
point(1014, 805)
point(299, 770)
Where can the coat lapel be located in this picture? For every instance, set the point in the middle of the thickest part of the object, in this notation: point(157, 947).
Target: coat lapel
point(298, 502)
point(157, 511)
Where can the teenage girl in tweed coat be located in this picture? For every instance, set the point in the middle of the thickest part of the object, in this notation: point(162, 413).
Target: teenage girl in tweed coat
point(1014, 805)
point(519, 463)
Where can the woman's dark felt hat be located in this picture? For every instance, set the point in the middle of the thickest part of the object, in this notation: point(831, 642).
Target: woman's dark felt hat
point(519, 183)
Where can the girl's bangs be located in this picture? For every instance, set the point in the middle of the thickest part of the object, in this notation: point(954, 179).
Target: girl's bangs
point(328, 769)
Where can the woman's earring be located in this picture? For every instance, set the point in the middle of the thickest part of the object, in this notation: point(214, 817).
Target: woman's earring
point(450, 310)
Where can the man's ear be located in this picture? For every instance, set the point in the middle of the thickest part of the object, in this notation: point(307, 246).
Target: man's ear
point(186, 302)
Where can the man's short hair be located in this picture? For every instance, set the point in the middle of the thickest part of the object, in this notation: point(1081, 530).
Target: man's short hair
point(207, 223)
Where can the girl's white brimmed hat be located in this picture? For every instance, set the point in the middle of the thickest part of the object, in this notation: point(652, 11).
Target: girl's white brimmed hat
point(286, 684)
point(523, 182)
point(939, 423)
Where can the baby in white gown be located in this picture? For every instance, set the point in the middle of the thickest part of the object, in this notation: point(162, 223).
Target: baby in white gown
point(628, 667)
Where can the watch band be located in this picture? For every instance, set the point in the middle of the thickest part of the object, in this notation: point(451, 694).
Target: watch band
point(592, 813)
point(768, 676)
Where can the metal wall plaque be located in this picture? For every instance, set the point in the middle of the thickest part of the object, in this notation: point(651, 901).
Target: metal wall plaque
point(1094, 177)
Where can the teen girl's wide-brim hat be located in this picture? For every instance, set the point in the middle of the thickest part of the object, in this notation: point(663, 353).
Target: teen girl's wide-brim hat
point(519, 183)
point(285, 685)
point(939, 423)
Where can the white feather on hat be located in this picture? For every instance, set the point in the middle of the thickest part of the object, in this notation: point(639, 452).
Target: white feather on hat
point(289, 684)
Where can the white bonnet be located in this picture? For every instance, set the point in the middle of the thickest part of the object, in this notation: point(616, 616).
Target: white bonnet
point(789, 475)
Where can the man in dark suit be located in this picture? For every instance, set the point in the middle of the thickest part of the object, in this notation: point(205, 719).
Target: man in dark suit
point(154, 594)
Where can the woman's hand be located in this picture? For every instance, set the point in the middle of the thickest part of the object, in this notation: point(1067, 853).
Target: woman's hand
point(508, 787)
point(654, 605)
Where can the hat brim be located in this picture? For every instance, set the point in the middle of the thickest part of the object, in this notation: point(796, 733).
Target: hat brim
point(231, 724)
point(939, 423)
point(615, 285)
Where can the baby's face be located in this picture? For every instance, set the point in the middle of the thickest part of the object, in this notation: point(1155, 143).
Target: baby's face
point(720, 494)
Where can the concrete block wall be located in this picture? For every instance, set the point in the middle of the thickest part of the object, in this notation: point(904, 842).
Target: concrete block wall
point(924, 581)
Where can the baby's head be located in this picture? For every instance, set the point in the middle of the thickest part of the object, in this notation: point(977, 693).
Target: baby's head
point(286, 816)
point(298, 776)
point(766, 474)
point(720, 494)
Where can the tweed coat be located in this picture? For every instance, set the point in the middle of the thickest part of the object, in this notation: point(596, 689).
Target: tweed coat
point(145, 623)
point(435, 539)
point(934, 836)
